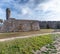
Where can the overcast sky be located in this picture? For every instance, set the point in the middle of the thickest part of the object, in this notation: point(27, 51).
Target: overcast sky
point(31, 9)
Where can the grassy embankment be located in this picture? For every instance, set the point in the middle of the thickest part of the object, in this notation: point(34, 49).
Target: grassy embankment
point(14, 34)
point(24, 45)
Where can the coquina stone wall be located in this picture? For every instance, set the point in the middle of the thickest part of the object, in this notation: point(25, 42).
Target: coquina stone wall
point(14, 25)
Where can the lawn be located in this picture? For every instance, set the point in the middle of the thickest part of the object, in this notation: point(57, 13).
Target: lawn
point(25, 45)
point(14, 34)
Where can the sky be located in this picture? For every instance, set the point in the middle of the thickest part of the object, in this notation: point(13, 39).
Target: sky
point(42, 10)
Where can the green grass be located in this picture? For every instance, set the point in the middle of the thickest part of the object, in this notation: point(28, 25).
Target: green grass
point(25, 45)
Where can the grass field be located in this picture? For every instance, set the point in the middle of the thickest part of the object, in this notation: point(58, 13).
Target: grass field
point(14, 34)
point(24, 45)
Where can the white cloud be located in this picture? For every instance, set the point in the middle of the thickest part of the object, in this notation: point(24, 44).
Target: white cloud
point(2, 13)
point(26, 10)
point(53, 6)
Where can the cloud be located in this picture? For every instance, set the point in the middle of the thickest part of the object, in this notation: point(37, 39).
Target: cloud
point(2, 13)
point(26, 10)
point(50, 10)
point(52, 5)
point(31, 9)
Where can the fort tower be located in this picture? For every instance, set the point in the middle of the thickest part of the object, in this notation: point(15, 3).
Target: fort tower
point(8, 13)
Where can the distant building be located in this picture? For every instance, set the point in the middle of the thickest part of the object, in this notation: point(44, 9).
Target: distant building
point(49, 24)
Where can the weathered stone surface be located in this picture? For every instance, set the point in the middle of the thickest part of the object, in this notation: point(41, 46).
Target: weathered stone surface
point(13, 25)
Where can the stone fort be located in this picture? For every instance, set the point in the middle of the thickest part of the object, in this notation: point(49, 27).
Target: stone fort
point(15, 25)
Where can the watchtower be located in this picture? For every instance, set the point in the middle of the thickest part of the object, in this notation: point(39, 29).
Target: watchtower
point(8, 13)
